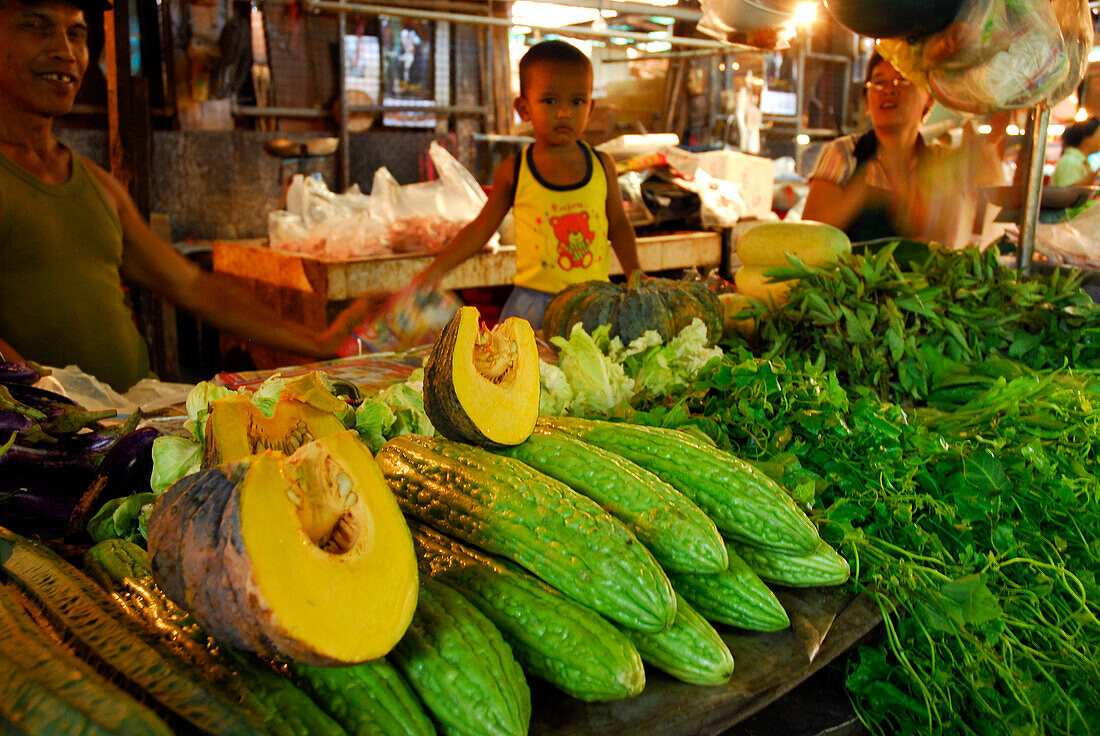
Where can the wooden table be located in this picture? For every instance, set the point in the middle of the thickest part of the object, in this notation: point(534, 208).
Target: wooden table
point(312, 291)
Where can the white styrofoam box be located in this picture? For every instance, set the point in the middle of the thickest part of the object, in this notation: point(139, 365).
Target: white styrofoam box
point(754, 176)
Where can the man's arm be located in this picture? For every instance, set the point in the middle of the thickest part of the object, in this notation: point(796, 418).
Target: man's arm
point(216, 299)
point(8, 354)
point(619, 230)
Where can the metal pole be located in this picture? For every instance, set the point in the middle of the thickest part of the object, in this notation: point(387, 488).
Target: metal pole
point(800, 100)
point(1036, 149)
point(343, 171)
point(348, 7)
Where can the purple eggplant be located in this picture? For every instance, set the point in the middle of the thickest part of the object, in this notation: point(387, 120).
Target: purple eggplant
point(23, 374)
point(40, 502)
point(55, 417)
point(125, 470)
point(36, 397)
point(26, 459)
point(11, 421)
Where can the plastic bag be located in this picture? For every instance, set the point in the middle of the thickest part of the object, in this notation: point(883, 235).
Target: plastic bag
point(408, 321)
point(423, 217)
point(720, 202)
point(997, 55)
point(1076, 242)
point(320, 223)
point(1075, 21)
point(1025, 73)
point(630, 184)
point(979, 30)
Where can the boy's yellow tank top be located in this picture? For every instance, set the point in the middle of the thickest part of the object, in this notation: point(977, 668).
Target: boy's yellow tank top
point(561, 231)
point(61, 298)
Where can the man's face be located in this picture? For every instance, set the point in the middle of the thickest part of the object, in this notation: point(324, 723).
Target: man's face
point(43, 56)
point(557, 100)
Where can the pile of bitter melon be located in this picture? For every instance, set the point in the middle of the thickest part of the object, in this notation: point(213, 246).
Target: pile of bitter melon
point(573, 557)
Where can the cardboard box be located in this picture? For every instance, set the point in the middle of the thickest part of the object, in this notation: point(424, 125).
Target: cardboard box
point(753, 175)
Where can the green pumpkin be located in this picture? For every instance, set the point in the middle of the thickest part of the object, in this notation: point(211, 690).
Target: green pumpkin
point(644, 303)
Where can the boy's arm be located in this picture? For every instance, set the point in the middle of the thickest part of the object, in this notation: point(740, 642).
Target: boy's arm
point(619, 230)
point(468, 241)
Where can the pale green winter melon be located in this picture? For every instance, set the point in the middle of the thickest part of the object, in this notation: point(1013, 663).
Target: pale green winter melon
point(752, 282)
point(815, 243)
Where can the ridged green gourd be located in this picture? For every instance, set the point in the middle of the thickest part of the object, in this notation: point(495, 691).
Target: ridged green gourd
point(736, 596)
point(745, 504)
point(823, 566)
point(48, 690)
point(677, 532)
point(506, 508)
point(564, 643)
point(461, 667)
point(690, 650)
point(368, 699)
point(84, 611)
point(122, 568)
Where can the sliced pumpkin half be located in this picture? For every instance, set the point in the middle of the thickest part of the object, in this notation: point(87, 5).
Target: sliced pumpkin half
point(317, 556)
point(236, 428)
point(480, 385)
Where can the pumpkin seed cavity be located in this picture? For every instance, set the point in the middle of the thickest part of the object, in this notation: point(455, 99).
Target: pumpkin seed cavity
point(495, 359)
point(330, 511)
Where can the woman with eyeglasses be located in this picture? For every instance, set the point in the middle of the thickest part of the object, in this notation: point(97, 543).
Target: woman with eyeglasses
point(888, 182)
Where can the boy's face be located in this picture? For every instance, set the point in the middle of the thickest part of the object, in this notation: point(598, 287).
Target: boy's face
point(557, 101)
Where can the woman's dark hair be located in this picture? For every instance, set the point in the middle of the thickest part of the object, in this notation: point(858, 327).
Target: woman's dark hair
point(1076, 134)
point(875, 60)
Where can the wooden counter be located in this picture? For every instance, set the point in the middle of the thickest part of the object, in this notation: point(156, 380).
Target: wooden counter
point(312, 291)
point(344, 280)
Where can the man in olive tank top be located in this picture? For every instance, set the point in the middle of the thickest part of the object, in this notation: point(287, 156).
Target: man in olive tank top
point(70, 233)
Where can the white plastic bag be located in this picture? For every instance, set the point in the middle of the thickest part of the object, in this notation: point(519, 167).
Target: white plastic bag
point(979, 30)
point(1006, 55)
point(1076, 242)
point(720, 202)
point(1075, 21)
point(1023, 74)
point(422, 217)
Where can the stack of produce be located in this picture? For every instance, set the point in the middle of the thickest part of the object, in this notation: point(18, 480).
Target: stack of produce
point(279, 551)
point(58, 460)
point(970, 504)
point(768, 249)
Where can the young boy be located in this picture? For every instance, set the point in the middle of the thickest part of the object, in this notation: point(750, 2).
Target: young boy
point(564, 194)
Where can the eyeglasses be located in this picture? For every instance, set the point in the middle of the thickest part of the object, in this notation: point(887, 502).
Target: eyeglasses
point(896, 82)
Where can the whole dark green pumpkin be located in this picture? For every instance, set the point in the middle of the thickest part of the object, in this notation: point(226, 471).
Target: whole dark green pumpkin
point(643, 303)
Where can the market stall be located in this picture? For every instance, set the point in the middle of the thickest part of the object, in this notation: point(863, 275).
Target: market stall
point(673, 505)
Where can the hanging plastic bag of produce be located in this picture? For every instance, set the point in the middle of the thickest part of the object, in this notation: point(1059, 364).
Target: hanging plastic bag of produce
point(1075, 20)
point(1024, 73)
point(979, 30)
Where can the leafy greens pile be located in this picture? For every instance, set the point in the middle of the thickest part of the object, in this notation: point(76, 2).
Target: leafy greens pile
point(976, 531)
point(942, 424)
point(878, 325)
